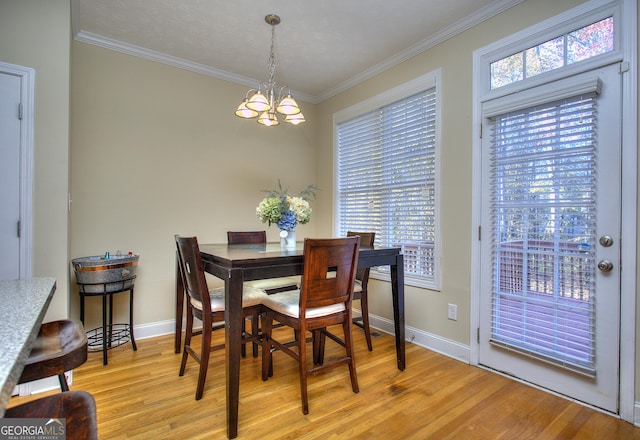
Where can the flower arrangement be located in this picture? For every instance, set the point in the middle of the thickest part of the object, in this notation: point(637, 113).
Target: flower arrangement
point(285, 210)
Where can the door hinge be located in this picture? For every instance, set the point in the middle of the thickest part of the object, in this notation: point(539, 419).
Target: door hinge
point(479, 232)
point(20, 111)
point(18, 229)
point(478, 334)
point(480, 131)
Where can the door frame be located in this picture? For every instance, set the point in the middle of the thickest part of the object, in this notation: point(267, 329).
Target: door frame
point(27, 90)
point(629, 171)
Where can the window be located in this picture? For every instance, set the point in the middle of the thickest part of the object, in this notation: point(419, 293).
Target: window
point(387, 180)
point(578, 45)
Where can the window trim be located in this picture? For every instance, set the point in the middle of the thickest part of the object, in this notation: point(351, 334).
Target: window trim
point(417, 85)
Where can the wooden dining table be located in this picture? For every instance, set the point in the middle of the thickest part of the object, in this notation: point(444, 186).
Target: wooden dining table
point(235, 264)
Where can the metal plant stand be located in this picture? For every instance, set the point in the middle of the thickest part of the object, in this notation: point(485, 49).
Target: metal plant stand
point(110, 335)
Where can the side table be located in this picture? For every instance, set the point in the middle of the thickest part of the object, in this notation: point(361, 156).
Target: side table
point(110, 335)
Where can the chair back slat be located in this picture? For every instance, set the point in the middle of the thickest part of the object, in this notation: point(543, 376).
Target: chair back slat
point(366, 239)
point(192, 271)
point(246, 237)
point(329, 271)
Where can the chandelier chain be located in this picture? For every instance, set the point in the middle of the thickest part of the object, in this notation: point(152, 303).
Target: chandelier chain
point(272, 59)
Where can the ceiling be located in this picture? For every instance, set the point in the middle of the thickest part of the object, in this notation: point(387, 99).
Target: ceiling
point(322, 47)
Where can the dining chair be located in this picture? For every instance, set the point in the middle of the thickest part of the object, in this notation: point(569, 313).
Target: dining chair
point(323, 300)
point(208, 306)
point(269, 285)
point(59, 347)
point(360, 288)
point(77, 408)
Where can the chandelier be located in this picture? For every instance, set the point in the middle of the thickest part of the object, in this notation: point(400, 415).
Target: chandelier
point(269, 99)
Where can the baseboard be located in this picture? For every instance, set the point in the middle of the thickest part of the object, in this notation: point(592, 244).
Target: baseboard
point(636, 414)
point(41, 385)
point(423, 339)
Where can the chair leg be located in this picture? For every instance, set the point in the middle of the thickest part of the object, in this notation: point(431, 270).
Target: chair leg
point(187, 342)
point(302, 365)
point(205, 351)
point(255, 329)
point(243, 349)
point(347, 327)
point(319, 339)
point(64, 386)
point(364, 307)
point(267, 362)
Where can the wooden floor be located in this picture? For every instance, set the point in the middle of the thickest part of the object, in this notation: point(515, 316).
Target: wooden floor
point(140, 396)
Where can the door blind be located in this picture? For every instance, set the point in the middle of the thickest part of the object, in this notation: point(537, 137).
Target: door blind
point(543, 185)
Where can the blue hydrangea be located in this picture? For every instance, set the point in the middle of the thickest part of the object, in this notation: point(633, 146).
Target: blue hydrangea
point(287, 221)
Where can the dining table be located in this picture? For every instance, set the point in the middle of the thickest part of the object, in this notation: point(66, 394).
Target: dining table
point(235, 264)
point(24, 305)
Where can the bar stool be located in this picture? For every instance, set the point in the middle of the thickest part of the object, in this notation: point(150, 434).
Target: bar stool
point(60, 346)
point(77, 407)
point(110, 335)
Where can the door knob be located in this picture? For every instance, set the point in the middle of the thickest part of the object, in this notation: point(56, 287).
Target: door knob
point(606, 240)
point(605, 265)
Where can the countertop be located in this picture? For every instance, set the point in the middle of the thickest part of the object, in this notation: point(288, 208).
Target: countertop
point(23, 304)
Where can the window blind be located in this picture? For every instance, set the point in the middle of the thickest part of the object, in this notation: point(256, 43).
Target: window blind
point(386, 170)
point(544, 213)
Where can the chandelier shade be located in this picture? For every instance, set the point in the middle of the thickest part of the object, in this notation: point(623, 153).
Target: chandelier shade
point(270, 100)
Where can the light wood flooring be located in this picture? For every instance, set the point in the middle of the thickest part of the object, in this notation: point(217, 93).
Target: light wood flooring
point(140, 396)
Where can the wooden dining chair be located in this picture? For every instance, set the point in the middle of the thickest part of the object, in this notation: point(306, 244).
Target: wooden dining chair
point(360, 288)
point(324, 300)
point(59, 347)
point(78, 408)
point(208, 306)
point(269, 285)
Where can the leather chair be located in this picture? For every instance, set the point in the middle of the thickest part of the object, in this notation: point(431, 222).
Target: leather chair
point(324, 300)
point(59, 347)
point(78, 408)
point(208, 306)
point(360, 288)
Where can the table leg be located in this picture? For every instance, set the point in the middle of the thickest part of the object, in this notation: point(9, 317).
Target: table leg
point(179, 308)
point(397, 288)
point(233, 343)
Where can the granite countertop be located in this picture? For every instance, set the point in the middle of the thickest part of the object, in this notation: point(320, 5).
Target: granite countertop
point(23, 306)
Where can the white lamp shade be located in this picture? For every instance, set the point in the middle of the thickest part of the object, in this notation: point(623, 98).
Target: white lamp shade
point(288, 106)
point(296, 119)
point(244, 112)
point(268, 119)
point(259, 103)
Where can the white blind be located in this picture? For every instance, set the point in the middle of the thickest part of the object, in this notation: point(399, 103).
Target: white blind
point(386, 164)
point(544, 212)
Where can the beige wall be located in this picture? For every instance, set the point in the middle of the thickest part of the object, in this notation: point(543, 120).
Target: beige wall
point(158, 151)
point(37, 34)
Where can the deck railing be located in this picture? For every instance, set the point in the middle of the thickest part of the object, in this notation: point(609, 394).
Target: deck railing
point(545, 267)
